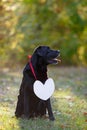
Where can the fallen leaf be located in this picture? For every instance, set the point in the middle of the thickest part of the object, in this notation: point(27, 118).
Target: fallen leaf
point(85, 113)
point(85, 120)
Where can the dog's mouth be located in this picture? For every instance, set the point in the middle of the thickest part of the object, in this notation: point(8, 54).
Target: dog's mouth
point(55, 60)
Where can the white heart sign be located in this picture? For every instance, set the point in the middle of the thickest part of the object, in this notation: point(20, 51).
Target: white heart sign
point(44, 91)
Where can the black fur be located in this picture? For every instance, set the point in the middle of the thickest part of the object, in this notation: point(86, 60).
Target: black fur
point(28, 103)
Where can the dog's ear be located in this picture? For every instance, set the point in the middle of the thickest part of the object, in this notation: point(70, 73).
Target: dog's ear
point(39, 51)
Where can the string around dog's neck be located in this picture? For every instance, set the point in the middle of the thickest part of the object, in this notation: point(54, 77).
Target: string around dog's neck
point(32, 69)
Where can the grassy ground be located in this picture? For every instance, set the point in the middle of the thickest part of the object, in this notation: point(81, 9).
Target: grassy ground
point(69, 101)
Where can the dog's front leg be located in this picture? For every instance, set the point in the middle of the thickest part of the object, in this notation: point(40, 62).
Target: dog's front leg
point(49, 108)
point(26, 105)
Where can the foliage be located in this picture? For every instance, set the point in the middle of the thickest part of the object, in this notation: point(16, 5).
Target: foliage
point(69, 101)
point(60, 24)
point(8, 39)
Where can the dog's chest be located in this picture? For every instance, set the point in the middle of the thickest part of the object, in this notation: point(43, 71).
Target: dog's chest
point(42, 76)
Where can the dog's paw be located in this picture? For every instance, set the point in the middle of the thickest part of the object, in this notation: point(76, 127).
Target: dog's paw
point(25, 117)
point(52, 118)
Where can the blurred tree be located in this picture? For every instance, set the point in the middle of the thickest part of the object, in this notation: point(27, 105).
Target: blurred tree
point(7, 30)
point(60, 24)
point(8, 33)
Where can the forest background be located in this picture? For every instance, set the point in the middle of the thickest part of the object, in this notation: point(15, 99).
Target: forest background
point(60, 24)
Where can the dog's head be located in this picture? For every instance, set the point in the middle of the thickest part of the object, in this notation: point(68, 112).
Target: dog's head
point(44, 55)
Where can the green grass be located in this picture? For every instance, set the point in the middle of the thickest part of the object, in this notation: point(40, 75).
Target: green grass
point(69, 101)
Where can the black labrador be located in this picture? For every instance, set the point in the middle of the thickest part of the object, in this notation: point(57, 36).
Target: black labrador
point(29, 105)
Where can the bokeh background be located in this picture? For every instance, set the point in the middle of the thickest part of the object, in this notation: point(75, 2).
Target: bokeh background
point(60, 24)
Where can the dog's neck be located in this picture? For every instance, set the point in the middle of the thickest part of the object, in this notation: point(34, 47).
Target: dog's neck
point(42, 74)
point(40, 69)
